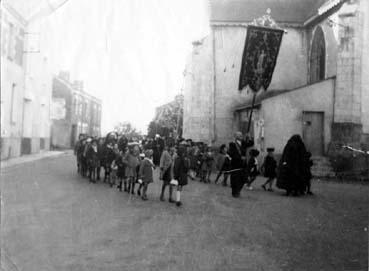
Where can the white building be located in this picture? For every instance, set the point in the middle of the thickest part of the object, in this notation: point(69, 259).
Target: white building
point(319, 89)
point(25, 78)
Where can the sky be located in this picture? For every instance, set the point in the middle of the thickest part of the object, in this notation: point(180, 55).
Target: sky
point(129, 53)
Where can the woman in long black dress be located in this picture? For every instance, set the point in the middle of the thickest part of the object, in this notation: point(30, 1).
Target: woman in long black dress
point(291, 166)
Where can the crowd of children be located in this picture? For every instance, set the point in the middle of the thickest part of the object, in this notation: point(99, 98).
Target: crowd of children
point(127, 164)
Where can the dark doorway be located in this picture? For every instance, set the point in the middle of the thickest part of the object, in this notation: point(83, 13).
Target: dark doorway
point(313, 132)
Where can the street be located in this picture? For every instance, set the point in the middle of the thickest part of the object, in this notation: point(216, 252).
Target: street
point(53, 219)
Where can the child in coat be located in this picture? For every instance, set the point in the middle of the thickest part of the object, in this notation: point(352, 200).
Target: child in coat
point(206, 164)
point(180, 171)
point(121, 172)
point(113, 173)
point(132, 161)
point(308, 175)
point(92, 161)
point(269, 168)
point(223, 164)
point(252, 167)
point(145, 174)
point(108, 159)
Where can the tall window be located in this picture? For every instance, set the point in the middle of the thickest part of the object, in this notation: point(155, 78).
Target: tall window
point(4, 38)
point(12, 105)
point(317, 56)
point(18, 50)
point(11, 39)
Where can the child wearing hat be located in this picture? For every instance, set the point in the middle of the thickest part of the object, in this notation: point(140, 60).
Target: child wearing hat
point(146, 174)
point(92, 161)
point(132, 161)
point(121, 172)
point(252, 167)
point(270, 169)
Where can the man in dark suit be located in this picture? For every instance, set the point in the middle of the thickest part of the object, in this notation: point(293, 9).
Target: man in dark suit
point(237, 152)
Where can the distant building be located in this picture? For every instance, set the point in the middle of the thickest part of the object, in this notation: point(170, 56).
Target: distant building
point(25, 86)
point(320, 86)
point(74, 111)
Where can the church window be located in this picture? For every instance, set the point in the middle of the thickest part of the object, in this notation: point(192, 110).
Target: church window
point(317, 56)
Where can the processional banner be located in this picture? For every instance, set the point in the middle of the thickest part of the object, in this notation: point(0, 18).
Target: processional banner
point(259, 57)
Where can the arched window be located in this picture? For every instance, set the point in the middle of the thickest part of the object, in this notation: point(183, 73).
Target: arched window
point(317, 56)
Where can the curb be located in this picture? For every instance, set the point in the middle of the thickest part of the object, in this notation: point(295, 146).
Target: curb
point(29, 158)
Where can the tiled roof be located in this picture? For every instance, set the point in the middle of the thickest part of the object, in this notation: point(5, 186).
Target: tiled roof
point(283, 11)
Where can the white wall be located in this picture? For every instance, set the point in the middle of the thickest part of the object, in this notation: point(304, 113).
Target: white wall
point(11, 73)
point(282, 114)
point(364, 8)
point(38, 84)
point(290, 72)
point(198, 93)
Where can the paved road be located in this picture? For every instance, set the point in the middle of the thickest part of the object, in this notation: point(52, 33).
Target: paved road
point(52, 219)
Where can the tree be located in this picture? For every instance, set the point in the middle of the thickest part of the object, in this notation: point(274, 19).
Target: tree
point(169, 118)
point(155, 128)
point(127, 129)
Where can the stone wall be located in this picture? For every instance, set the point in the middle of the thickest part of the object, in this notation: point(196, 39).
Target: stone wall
point(198, 89)
point(348, 89)
point(210, 102)
point(290, 72)
point(208, 115)
point(12, 86)
point(364, 8)
point(282, 114)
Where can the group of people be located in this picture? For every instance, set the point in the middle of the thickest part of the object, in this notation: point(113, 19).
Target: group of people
point(293, 172)
point(127, 163)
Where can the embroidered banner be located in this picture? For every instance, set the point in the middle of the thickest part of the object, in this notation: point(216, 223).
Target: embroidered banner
point(259, 57)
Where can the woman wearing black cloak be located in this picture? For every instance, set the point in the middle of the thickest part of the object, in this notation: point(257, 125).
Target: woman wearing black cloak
point(291, 166)
point(158, 147)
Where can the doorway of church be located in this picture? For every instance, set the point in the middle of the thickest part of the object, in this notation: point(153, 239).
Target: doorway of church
point(313, 132)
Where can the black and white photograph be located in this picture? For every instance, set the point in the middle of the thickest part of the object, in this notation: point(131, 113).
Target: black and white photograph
point(184, 135)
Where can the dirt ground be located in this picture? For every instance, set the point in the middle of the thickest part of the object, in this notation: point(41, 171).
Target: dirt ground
point(52, 219)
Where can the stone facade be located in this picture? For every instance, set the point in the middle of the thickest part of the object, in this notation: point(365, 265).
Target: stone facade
point(12, 83)
point(25, 87)
point(364, 9)
point(214, 105)
point(198, 88)
point(73, 112)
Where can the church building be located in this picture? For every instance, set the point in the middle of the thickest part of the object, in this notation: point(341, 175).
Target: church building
point(320, 85)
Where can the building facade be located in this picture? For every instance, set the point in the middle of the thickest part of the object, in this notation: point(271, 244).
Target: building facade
point(25, 87)
point(74, 111)
point(320, 84)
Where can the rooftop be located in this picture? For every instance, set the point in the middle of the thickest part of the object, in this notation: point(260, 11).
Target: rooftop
point(282, 11)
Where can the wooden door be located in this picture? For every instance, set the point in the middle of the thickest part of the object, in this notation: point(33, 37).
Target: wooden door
point(313, 132)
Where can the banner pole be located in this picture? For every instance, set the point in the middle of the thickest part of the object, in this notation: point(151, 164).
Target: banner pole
point(252, 109)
